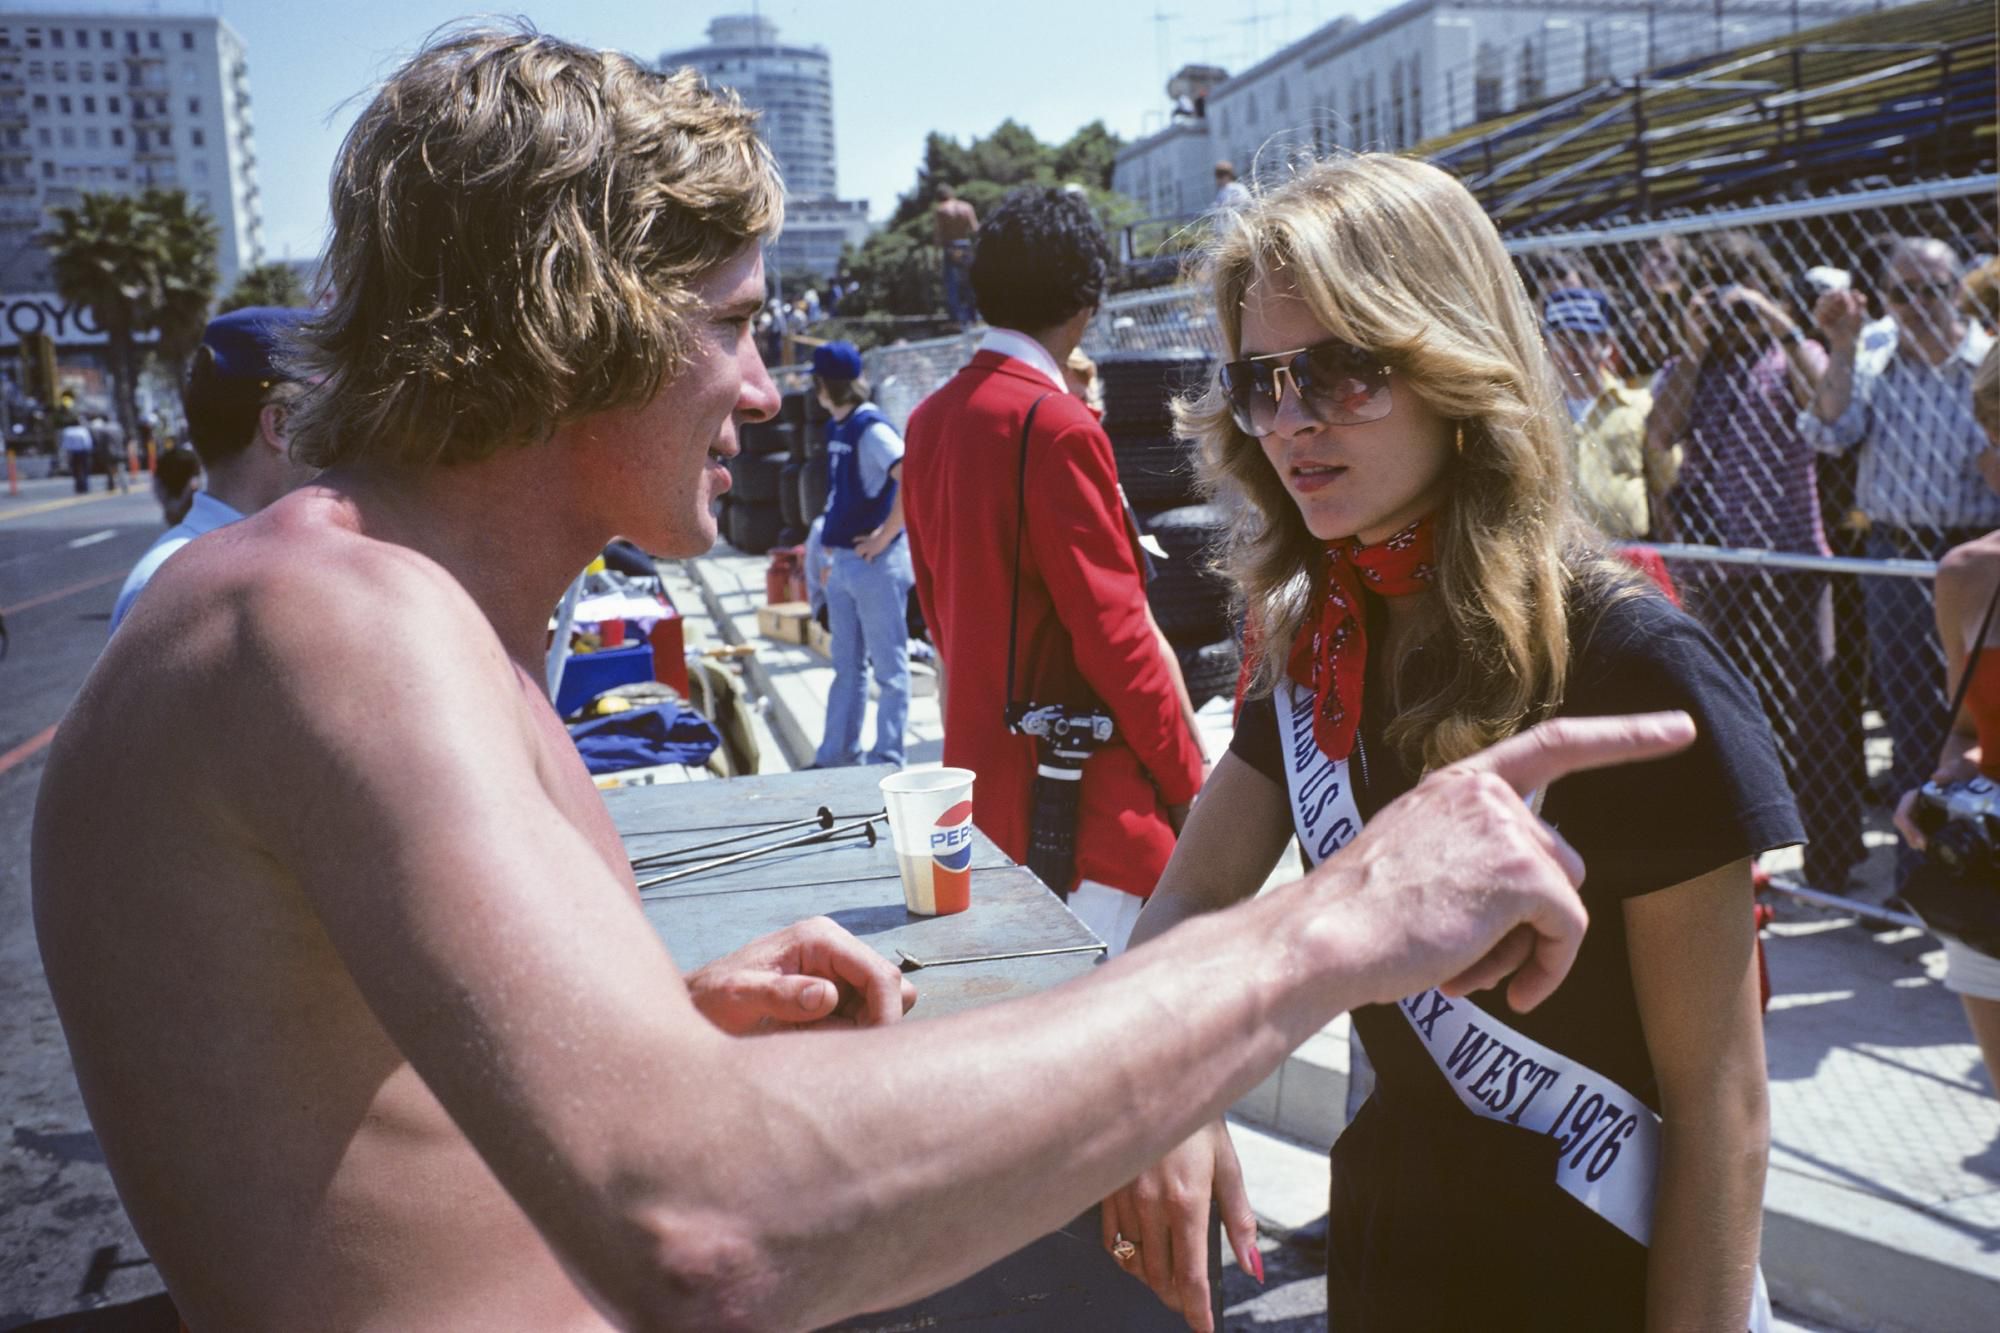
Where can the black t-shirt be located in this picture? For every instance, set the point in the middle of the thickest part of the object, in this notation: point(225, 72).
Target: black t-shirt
point(1416, 1170)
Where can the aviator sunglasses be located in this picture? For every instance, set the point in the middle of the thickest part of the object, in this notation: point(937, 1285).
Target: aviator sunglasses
point(1337, 384)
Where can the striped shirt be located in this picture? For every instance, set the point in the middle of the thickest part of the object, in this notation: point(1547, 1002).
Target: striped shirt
point(1920, 445)
point(1747, 477)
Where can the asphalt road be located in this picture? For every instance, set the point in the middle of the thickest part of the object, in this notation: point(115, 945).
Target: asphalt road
point(64, 1241)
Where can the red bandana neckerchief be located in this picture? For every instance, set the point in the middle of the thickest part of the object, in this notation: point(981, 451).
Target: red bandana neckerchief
point(1332, 660)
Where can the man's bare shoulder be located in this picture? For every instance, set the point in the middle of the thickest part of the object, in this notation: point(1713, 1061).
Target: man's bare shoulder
point(293, 622)
point(299, 586)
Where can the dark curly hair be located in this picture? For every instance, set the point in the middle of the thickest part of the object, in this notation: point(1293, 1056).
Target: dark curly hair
point(1041, 258)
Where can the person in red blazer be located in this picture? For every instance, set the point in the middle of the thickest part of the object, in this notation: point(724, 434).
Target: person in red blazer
point(1086, 635)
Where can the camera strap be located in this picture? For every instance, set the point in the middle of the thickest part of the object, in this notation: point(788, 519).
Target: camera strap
point(1971, 661)
point(1020, 536)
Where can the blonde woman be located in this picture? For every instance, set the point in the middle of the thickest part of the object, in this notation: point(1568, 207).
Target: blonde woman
point(1417, 586)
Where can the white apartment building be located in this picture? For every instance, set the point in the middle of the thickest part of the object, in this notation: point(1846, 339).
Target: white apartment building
point(102, 101)
point(791, 86)
point(1427, 67)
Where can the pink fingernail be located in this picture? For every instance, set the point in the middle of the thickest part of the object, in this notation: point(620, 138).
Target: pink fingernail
point(1253, 1261)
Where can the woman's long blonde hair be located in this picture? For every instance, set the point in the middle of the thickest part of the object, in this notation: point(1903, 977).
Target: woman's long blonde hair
point(1397, 257)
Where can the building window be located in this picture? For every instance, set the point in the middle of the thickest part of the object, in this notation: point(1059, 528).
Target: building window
point(1417, 96)
point(194, 106)
point(41, 101)
point(112, 105)
point(62, 104)
point(187, 40)
point(166, 137)
point(1486, 81)
point(68, 136)
point(56, 36)
point(90, 106)
point(48, 170)
point(60, 70)
point(1531, 75)
point(34, 39)
point(117, 137)
point(37, 70)
point(85, 71)
point(120, 173)
point(110, 72)
point(153, 40)
point(91, 137)
point(82, 40)
point(132, 41)
point(198, 138)
point(105, 40)
point(139, 140)
point(46, 137)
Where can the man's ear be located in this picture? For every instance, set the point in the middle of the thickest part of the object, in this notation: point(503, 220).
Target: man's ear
point(273, 430)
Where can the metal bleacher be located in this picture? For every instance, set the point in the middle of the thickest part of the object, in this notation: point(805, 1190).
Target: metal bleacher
point(1897, 95)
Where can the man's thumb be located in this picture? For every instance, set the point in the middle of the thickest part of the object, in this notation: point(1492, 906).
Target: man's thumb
point(809, 997)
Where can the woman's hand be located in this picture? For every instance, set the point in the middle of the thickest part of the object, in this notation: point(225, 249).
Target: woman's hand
point(1906, 820)
point(1157, 1226)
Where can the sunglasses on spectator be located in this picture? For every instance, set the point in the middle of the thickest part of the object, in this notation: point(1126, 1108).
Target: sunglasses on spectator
point(1909, 293)
point(1336, 383)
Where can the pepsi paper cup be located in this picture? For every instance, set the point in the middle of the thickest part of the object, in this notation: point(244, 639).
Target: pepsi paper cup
point(930, 823)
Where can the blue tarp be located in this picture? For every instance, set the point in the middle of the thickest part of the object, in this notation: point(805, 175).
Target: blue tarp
point(669, 733)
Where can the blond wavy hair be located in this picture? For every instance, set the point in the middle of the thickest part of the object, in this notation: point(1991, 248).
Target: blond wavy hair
point(518, 225)
point(1397, 257)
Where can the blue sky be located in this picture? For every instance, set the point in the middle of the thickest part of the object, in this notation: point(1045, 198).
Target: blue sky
point(899, 70)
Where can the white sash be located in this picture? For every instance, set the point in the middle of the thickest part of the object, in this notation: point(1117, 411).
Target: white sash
point(1609, 1139)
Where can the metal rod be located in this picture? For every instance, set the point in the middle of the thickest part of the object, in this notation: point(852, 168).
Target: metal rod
point(824, 819)
point(1867, 911)
point(1812, 564)
point(865, 827)
point(912, 963)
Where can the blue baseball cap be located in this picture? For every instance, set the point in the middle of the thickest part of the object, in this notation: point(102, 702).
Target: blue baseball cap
point(1579, 309)
point(246, 343)
point(837, 361)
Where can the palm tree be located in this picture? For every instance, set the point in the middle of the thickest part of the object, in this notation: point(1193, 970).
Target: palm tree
point(143, 264)
point(266, 284)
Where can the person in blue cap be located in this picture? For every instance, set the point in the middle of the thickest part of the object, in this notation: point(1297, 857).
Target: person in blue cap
point(236, 400)
point(868, 585)
point(1612, 467)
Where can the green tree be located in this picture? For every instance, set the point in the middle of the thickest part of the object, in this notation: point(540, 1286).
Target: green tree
point(900, 293)
point(188, 280)
point(143, 263)
point(266, 284)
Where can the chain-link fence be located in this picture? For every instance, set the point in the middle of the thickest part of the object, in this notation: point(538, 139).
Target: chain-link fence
point(1801, 459)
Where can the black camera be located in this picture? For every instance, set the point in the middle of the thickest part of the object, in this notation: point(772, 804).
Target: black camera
point(1064, 739)
point(1957, 889)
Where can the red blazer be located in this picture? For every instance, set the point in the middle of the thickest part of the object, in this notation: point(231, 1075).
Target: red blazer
point(1084, 630)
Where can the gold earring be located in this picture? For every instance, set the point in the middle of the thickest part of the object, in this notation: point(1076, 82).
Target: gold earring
point(1460, 442)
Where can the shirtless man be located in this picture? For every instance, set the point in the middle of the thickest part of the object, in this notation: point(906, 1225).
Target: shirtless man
point(364, 1009)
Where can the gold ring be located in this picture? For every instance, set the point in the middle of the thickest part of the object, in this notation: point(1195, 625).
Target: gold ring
point(1124, 1251)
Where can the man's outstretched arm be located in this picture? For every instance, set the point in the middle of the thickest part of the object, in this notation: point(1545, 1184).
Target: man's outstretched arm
point(690, 1179)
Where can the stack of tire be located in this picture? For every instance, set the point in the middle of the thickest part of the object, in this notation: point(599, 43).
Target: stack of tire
point(777, 481)
point(1190, 602)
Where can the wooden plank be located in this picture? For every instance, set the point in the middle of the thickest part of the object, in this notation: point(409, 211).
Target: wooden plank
point(742, 803)
point(821, 863)
point(1011, 913)
point(1065, 1280)
point(1062, 1283)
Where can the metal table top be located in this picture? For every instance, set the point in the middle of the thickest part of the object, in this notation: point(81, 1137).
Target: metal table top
point(1063, 1281)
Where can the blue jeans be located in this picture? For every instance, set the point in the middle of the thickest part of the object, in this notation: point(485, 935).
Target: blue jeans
point(1906, 667)
point(958, 282)
point(867, 605)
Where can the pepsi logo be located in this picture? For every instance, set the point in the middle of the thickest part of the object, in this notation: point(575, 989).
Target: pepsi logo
point(951, 839)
